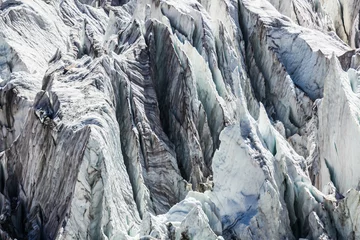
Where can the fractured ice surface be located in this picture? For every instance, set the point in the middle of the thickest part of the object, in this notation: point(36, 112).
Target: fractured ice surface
point(164, 119)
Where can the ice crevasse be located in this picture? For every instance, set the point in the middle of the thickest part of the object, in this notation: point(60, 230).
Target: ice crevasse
point(164, 119)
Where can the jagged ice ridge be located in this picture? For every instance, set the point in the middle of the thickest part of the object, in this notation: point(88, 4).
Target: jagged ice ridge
point(179, 119)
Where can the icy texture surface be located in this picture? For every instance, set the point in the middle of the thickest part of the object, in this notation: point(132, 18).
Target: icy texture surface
point(179, 119)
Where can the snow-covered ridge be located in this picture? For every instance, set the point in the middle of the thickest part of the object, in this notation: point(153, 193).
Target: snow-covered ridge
point(164, 119)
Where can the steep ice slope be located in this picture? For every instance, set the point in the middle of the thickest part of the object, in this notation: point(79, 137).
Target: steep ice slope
point(163, 119)
point(338, 163)
point(277, 37)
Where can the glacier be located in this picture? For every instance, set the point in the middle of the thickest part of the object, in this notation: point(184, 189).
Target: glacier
point(179, 119)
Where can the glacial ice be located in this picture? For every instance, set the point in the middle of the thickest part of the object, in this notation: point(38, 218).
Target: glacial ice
point(163, 119)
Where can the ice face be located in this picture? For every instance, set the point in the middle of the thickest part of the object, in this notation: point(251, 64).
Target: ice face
point(185, 119)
